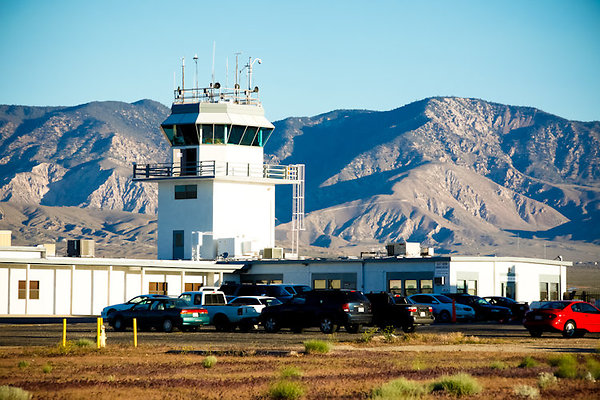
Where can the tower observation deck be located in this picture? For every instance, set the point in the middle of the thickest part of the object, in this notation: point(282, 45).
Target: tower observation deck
point(216, 196)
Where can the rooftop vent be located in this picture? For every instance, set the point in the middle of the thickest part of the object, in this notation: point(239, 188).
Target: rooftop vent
point(80, 248)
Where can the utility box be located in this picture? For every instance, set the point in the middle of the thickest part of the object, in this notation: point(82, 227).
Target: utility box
point(203, 246)
point(407, 249)
point(80, 248)
point(229, 247)
point(50, 249)
point(5, 238)
point(427, 252)
point(273, 253)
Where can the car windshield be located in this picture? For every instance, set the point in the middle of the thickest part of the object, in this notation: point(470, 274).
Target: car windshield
point(554, 305)
point(276, 291)
point(482, 301)
point(443, 299)
point(270, 302)
point(355, 296)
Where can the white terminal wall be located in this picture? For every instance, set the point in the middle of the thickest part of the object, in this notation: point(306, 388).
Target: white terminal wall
point(240, 209)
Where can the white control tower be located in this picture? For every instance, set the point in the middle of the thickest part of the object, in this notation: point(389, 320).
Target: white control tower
point(217, 197)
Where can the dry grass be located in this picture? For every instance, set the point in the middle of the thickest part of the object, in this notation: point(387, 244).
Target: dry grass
point(151, 373)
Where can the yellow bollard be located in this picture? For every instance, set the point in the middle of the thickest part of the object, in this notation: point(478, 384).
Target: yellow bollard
point(100, 334)
point(64, 335)
point(135, 332)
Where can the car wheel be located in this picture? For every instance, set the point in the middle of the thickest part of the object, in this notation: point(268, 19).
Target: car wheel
point(222, 323)
point(118, 324)
point(443, 316)
point(570, 329)
point(353, 328)
point(167, 325)
point(327, 325)
point(535, 332)
point(408, 328)
point(271, 325)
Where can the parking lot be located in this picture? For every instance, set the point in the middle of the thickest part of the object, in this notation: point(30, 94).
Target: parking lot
point(208, 338)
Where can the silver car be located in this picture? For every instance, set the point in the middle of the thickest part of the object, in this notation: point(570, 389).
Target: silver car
point(442, 307)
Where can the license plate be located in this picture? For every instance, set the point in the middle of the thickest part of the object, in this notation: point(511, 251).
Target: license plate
point(361, 309)
point(422, 313)
point(538, 317)
point(195, 315)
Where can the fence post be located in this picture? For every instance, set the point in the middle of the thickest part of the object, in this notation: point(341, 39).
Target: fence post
point(64, 333)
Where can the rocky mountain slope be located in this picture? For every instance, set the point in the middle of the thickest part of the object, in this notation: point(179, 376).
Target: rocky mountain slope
point(457, 174)
point(461, 174)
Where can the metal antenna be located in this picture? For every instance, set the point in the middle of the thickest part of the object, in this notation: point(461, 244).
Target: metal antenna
point(182, 75)
point(213, 65)
point(196, 61)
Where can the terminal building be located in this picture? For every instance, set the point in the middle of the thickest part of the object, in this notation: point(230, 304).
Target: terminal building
point(216, 222)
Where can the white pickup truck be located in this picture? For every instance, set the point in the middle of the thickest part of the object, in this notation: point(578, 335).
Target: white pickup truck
point(225, 317)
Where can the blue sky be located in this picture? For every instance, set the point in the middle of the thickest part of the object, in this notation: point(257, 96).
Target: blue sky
point(317, 55)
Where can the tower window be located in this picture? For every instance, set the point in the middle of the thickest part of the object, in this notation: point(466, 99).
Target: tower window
point(186, 192)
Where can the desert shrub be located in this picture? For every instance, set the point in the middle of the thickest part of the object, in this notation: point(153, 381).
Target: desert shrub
point(528, 362)
point(567, 366)
point(457, 385)
point(527, 391)
point(13, 393)
point(389, 334)
point(593, 366)
point(367, 335)
point(290, 373)
point(317, 346)
point(209, 361)
point(498, 365)
point(84, 343)
point(418, 365)
point(47, 368)
point(546, 379)
point(286, 390)
point(23, 364)
point(400, 389)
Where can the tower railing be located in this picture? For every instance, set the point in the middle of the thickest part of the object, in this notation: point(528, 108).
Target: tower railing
point(212, 169)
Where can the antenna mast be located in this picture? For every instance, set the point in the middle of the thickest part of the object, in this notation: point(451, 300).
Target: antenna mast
point(196, 61)
point(182, 76)
point(213, 65)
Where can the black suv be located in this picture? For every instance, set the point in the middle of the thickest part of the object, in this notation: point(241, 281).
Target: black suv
point(394, 310)
point(327, 309)
point(483, 310)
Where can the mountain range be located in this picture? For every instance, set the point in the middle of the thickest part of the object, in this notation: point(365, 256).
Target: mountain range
point(464, 176)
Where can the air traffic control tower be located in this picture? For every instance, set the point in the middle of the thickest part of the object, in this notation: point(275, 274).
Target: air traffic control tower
point(217, 197)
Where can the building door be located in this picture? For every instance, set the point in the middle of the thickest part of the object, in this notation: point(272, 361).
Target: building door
point(189, 161)
point(178, 243)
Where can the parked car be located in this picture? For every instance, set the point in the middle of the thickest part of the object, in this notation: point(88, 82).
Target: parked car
point(258, 302)
point(108, 311)
point(328, 309)
point(518, 309)
point(572, 318)
point(225, 317)
point(484, 311)
point(233, 291)
point(442, 307)
point(396, 311)
point(160, 313)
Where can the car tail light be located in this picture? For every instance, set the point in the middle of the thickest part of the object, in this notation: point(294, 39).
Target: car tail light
point(346, 307)
point(430, 309)
point(412, 309)
point(551, 316)
point(192, 311)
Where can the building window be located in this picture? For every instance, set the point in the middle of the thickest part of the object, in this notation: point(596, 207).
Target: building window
point(178, 245)
point(410, 287)
point(554, 295)
point(192, 287)
point(395, 286)
point(186, 192)
point(543, 291)
point(157, 288)
point(34, 290)
point(327, 284)
point(426, 286)
point(466, 286)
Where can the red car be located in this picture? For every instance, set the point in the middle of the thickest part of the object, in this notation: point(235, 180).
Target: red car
point(571, 318)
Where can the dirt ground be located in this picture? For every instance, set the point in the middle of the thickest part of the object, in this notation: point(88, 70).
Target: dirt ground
point(351, 370)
